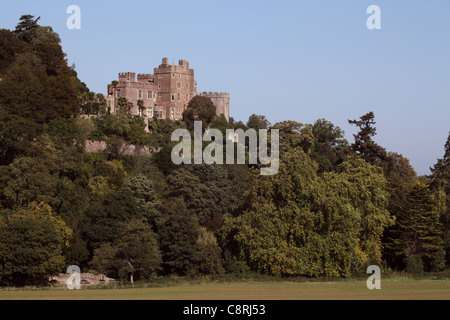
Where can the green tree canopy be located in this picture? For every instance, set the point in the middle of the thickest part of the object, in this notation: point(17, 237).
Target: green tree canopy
point(31, 245)
point(199, 109)
point(137, 250)
point(178, 235)
point(300, 223)
point(258, 122)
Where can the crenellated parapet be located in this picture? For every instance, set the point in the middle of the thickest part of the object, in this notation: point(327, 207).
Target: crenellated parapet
point(211, 94)
point(127, 77)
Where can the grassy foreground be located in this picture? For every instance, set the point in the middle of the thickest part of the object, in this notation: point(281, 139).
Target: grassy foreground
point(404, 289)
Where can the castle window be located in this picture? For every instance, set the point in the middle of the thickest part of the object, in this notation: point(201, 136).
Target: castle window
point(159, 85)
point(159, 98)
point(179, 85)
point(117, 93)
point(139, 94)
point(149, 95)
point(173, 97)
point(187, 85)
point(179, 96)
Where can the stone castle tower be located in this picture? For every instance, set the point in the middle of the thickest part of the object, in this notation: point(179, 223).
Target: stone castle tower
point(221, 100)
point(165, 93)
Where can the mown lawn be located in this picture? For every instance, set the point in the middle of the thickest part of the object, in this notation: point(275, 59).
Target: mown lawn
point(404, 289)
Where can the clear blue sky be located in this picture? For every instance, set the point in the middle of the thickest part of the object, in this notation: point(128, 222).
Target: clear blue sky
point(288, 60)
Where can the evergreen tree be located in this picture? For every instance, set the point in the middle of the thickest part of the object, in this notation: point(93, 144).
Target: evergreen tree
point(440, 181)
point(364, 144)
point(418, 231)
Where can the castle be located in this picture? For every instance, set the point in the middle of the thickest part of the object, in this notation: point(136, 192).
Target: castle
point(165, 93)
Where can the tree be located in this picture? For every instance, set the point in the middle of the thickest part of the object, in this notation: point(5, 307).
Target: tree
point(137, 249)
point(178, 235)
point(22, 93)
point(123, 105)
point(440, 181)
point(300, 223)
point(127, 127)
point(418, 231)
point(206, 192)
point(37, 83)
point(10, 47)
point(28, 180)
point(17, 135)
point(258, 122)
point(103, 260)
point(148, 204)
point(207, 256)
point(401, 179)
point(101, 220)
point(330, 145)
point(31, 32)
point(102, 102)
point(141, 108)
point(31, 245)
point(294, 135)
point(364, 145)
point(26, 27)
point(199, 109)
point(221, 124)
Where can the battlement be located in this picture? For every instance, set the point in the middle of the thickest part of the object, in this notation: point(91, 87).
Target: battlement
point(214, 94)
point(182, 65)
point(127, 76)
point(145, 78)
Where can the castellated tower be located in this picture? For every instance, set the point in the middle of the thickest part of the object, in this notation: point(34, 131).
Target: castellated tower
point(176, 87)
point(221, 100)
point(165, 93)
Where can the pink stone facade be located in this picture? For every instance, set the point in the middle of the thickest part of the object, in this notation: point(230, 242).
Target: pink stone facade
point(165, 93)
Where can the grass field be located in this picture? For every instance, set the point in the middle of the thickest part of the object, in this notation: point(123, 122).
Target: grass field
point(403, 289)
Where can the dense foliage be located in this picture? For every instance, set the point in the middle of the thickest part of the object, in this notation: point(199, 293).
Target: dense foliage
point(332, 209)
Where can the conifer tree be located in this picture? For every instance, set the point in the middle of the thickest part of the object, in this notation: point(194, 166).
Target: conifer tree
point(418, 231)
point(364, 145)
